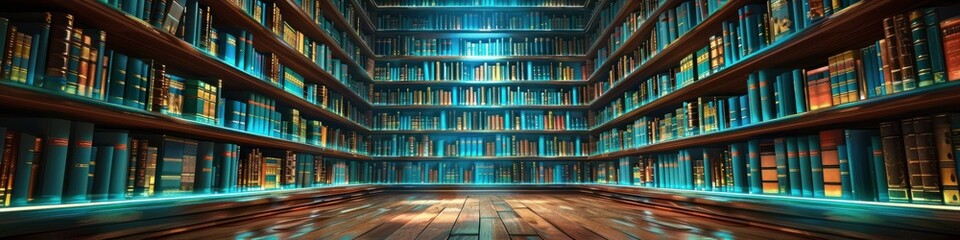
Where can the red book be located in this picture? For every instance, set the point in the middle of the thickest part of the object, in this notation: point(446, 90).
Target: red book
point(951, 46)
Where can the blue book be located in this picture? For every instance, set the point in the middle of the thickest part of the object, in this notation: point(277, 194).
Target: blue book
point(806, 174)
point(753, 164)
point(131, 96)
point(754, 97)
point(78, 162)
point(99, 188)
point(879, 172)
point(799, 96)
point(859, 165)
point(745, 114)
point(793, 167)
point(846, 192)
point(738, 159)
point(765, 85)
point(935, 44)
point(117, 172)
point(228, 48)
point(782, 165)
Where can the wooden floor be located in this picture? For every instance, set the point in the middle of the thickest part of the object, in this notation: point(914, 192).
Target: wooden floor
point(483, 216)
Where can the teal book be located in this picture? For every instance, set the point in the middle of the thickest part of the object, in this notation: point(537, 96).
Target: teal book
point(118, 78)
point(119, 140)
point(204, 168)
point(803, 159)
point(799, 95)
point(228, 48)
point(100, 184)
point(188, 166)
point(816, 166)
point(753, 97)
point(793, 168)
point(738, 159)
point(753, 164)
point(78, 163)
point(878, 173)
point(846, 190)
point(170, 165)
point(782, 165)
point(767, 109)
point(918, 34)
point(131, 95)
point(935, 43)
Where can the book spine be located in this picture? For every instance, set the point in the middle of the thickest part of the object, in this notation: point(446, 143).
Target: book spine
point(78, 165)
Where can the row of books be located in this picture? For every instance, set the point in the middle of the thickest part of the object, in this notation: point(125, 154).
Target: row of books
point(342, 37)
point(321, 54)
point(258, 114)
point(605, 16)
point(876, 70)
point(481, 120)
point(500, 145)
point(472, 172)
point(452, 3)
point(481, 21)
point(235, 47)
point(481, 96)
point(480, 71)
point(114, 77)
point(738, 40)
point(506, 46)
point(51, 161)
point(909, 161)
point(619, 35)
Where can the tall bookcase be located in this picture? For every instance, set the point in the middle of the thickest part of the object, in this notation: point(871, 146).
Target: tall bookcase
point(802, 98)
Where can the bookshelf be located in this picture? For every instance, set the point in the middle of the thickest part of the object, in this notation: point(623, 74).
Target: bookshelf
point(599, 73)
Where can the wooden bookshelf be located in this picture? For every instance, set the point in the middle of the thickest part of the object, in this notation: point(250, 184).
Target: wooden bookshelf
point(575, 9)
point(487, 33)
point(559, 58)
point(937, 98)
point(133, 36)
point(618, 20)
point(640, 34)
point(796, 51)
point(297, 17)
point(290, 57)
point(484, 132)
point(481, 83)
point(365, 20)
point(594, 14)
point(378, 107)
point(503, 158)
point(338, 20)
point(25, 99)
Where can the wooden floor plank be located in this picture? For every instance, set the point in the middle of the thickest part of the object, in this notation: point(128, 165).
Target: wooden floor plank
point(428, 211)
point(543, 227)
point(486, 208)
point(351, 227)
point(572, 214)
point(493, 229)
point(468, 223)
point(516, 226)
point(499, 204)
point(441, 225)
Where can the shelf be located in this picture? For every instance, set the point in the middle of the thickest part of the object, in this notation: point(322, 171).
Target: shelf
point(620, 19)
point(25, 99)
point(938, 98)
point(130, 35)
point(377, 107)
point(298, 18)
point(594, 15)
point(563, 58)
point(689, 42)
point(481, 83)
point(455, 132)
point(796, 50)
point(329, 10)
point(365, 19)
point(266, 39)
point(570, 158)
point(638, 35)
point(471, 33)
point(480, 8)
